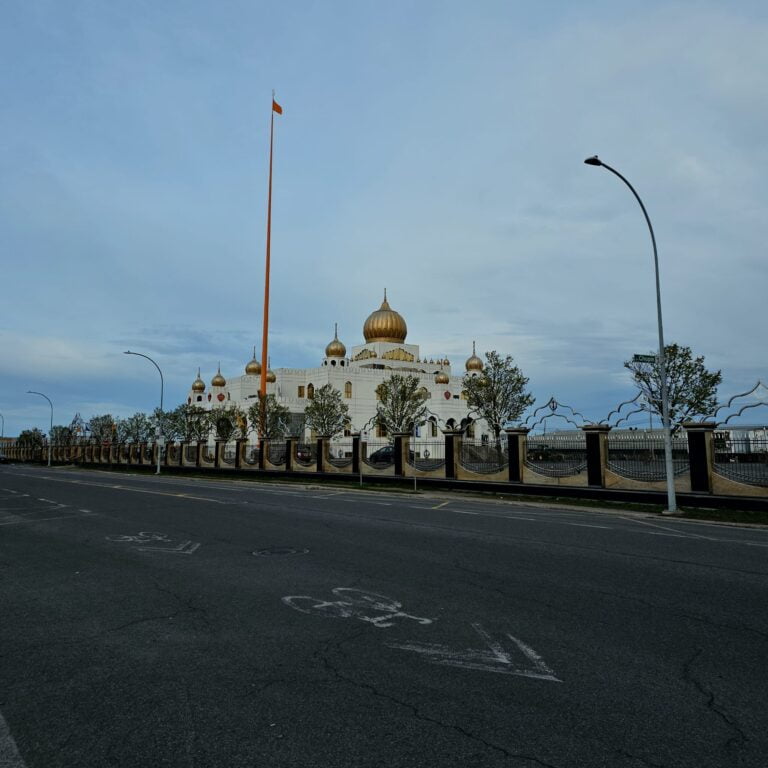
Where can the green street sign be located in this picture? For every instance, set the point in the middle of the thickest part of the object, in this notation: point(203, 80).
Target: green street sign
point(644, 358)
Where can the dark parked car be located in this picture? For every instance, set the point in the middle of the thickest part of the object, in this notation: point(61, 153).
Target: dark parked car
point(385, 455)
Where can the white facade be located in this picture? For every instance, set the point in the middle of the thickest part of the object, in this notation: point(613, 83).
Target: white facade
point(357, 375)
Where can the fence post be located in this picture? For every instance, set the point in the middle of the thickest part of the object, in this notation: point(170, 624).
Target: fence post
point(597, 452)
point(356, 453)
point(517, 438)
point(451, 453)
point(239, 452)
point(322, 441)
point(402, 446)
point(701, 454)
point(290, 442)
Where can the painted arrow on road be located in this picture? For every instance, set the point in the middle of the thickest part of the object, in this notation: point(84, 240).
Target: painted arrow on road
point(492, 658)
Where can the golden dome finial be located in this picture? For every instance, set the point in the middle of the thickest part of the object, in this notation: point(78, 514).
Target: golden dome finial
point(474, 363)
point(198, 385)
point(335, 348)
point(253, 367)
point(218, 380)
point(385, 324)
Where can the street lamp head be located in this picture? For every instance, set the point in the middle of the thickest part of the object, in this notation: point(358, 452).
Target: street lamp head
point(128, 352)
point(594, 160)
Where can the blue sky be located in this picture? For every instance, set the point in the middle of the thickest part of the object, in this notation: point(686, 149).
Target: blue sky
point(432, 148)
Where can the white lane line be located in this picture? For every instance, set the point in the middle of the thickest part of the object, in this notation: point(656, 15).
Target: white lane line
point(439, 506)
point(9, 752)
point(666, 528)
point(587, 525)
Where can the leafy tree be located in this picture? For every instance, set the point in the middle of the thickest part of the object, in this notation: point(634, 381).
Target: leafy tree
point(61, 435)
point(691, 388)
point(497, 394)
point(401, 403)
point(229, 422)
point(31, 438)
point(188, 422)
point(136, 428)
point(326, 413)
point(102, 428)
point(272, 420)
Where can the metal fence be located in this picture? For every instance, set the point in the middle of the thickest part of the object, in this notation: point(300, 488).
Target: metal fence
point(251, 455)
point(427, 456)
point(306, 453)
point(340, 454)
point(742, 457)
point(228, 452)
point(483, 457)
point(379, 454)
point(557, 455)
point(640, 455)
point(276, 452)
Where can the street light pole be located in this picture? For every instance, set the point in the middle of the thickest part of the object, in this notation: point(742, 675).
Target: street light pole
point(50, 433)
point(158, 428)
point(2, 428)
point(671, 499)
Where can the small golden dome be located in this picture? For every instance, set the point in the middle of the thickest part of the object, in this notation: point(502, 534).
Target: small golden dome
point(253, 368)
point(385, 324)
point(271, 378)
point(198, 385)
point(335, 348)
point(442, 378)
point(218, 380)
point(474, 363)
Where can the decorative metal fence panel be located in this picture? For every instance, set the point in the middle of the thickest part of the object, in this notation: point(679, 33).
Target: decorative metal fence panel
point(340, 453)
point(640, 455)
point(561, 454)
point(484, 458)
point(251, 455)
point(190, 453)
point(306, 453)
point(427, 456)
point(276, 453)
point(148, 452)
point(379, 454)
point(742, 457)
point(227, 453)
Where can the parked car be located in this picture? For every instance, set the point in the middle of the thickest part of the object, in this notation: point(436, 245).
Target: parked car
point(385, 455)
point(303, 453)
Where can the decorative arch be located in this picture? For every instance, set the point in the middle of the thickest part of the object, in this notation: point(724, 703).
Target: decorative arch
point(311, 391)
point(348, 390)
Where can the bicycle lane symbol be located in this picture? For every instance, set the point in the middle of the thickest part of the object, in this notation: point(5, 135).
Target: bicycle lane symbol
point(379, 610)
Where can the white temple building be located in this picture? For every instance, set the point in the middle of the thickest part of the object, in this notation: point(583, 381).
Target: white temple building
point(357, 375)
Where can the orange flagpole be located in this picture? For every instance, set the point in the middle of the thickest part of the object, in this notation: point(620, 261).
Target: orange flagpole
point(265, 331)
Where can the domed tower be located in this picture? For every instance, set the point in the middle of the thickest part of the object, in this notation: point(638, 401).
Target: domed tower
point(218, 380)
point(335, 352)
point(385, 324)
point(253, 367)
point(197, 390)
point(271, 378)
point(474, 364)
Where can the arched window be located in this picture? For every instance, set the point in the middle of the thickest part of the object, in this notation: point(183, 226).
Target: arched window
point(199, 398)
point(301, 390)
point(333, 362)
point(450, 424)
point(348, 390)
point(311, 391)
point(432, 428)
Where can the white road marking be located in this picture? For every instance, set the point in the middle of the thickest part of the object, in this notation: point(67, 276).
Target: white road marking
point(9, 752)
point(492, 658)
point(439, 506)
point(587, 525)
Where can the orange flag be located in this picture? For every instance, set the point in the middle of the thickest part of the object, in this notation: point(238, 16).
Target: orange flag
point(276, 107)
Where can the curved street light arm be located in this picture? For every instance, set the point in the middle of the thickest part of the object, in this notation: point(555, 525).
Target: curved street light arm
point(159, 423)
point(50, 433)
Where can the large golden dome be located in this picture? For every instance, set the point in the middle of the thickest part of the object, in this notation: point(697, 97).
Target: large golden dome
point(335, 348)
point(198, 385)
point(385, 324)
point(442, 378)
point(218, 380)
point(253, 368)
point(474, 363)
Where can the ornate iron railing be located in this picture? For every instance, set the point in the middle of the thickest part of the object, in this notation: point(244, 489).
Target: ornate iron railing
point(484, 458)
point(427, 456)
point(276, 453)
point(379, 454)
point(640, 455)
point(561, 454)
point(306, 453)
point(742, 457)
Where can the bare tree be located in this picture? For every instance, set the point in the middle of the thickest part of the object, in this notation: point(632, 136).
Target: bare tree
point(61, 435)
point(102, 428)
point(229, 422)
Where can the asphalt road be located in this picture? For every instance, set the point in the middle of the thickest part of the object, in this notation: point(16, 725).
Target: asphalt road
point(178, 622)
